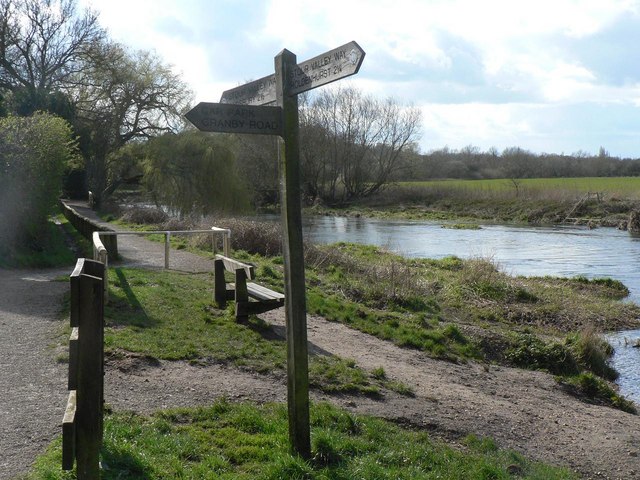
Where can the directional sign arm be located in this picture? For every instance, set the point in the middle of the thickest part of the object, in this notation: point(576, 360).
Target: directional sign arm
point(258, 92)
point(333, 65)
point(229, 118)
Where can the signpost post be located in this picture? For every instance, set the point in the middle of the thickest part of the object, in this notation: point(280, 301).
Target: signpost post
point(242, 110)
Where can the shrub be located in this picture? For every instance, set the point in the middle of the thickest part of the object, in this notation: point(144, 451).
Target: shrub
point(34, 152)
point(596, 388)
point(529, 351)
point(592, 352)
point(144, 216)
point(263, 238)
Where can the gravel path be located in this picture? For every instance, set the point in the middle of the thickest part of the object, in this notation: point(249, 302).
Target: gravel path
point(525, 411)
point(32, 385)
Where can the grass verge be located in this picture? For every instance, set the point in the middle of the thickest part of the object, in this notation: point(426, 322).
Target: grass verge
point(594, 201)
point(242, 441)
point(451, 308)
point(169, 316)
point(52, 250)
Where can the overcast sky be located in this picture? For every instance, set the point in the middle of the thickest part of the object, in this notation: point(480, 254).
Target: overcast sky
point(554, 76)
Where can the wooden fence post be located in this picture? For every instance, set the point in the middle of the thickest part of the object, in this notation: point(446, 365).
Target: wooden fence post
point(90, 393)
point(167, 249)
point(220, 286)
point(83, 421)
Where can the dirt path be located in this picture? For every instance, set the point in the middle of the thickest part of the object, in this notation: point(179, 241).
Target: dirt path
point(525, 411)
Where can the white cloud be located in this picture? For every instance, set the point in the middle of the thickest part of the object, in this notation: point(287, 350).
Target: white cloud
point(476, 124)
point(484, 70)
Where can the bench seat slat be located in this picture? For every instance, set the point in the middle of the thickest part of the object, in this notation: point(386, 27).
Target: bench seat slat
point(263, 293)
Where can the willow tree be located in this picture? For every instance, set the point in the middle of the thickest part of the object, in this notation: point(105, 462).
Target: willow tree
point(194, 173)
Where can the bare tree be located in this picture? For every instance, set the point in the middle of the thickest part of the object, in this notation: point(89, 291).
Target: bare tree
point(352, 143)
point(42, 43)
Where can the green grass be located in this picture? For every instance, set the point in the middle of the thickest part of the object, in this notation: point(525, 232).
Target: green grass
point(241, 441)
point(51, 252)
point(591, 386)
point(468, 309)
point(623, 187)
point(603, 201)
point(424, 302)
point(170, 316)
point(420, 331)
point(462, 226)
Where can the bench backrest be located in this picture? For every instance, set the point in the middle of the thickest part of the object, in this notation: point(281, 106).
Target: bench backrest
point(232, 265)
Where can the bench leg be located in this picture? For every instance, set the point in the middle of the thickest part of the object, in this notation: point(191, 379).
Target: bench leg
point(220, 287)
point(242, 297)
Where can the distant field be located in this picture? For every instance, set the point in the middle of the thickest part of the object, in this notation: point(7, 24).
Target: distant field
point(625, 187)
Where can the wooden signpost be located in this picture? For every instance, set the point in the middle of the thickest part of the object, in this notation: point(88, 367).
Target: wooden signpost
point(242, 110)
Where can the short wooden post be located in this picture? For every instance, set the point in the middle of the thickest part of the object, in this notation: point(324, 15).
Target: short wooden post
point(219, 284)
point(226, 243)
point(292, 246)
point(167, 248)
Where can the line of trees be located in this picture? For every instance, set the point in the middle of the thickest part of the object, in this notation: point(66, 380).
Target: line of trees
point(125, 109)
point(55, 57)
point(472, 163)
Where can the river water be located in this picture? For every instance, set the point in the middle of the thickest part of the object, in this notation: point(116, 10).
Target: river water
point(530, 251)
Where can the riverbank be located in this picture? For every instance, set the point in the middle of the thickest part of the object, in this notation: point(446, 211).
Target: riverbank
point(454, 296)
point(451, 401)
point(460, 202)
point(454, 393)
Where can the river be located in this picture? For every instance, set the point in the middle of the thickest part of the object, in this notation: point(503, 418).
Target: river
point(564, 251)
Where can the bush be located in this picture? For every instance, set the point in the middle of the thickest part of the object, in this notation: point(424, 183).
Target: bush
point(598, 389)
point(34, 152)
point(592, 352)
point(263, 238)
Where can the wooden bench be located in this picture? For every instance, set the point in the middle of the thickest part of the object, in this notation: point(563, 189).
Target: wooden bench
point(250, 298)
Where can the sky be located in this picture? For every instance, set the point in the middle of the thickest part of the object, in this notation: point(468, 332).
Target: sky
point(549, 76)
